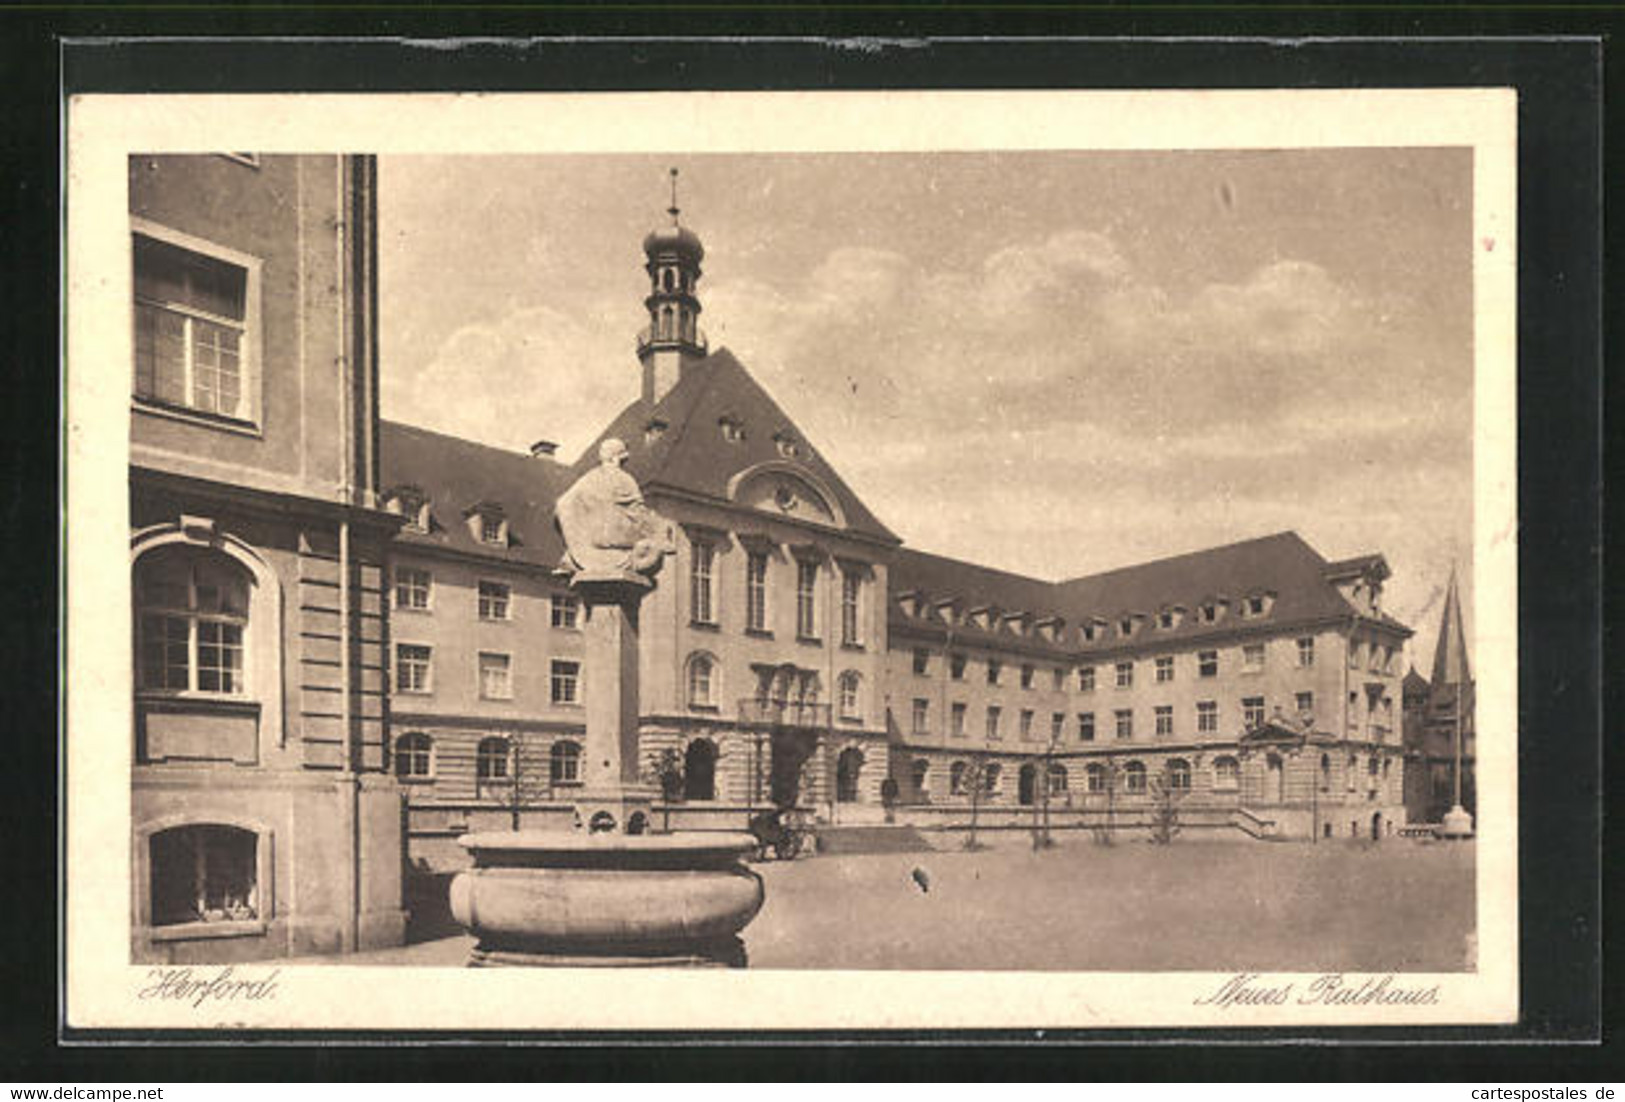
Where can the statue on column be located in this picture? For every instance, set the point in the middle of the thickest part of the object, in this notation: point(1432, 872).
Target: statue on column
point(610, 534)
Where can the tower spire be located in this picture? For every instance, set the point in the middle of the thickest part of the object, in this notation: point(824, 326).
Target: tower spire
point(673, 341)
point(1450, 665)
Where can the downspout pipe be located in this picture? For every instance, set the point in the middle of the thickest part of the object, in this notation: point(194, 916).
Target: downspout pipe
point(350, 779)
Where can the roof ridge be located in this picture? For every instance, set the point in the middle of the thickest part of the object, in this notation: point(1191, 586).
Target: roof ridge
point(1201, 552)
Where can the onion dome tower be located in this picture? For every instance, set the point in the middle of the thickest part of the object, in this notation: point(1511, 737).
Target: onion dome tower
point(672, 342)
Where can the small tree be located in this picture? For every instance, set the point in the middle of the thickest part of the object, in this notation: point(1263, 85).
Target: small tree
point(977, 775)
point(1107, 835)
point(530, 780)
point(666, 773)
point(1165, 798)
point(1042, 838)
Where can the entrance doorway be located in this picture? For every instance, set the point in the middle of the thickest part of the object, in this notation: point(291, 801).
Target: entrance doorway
point(1026, 782)
point(700, 770)
point(1376, 827)
point(847, 768)
point(1272, 779)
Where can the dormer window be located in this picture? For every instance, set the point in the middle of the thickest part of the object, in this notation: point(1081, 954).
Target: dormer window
point(488, 524)
point(1170, 618)
point(654, 430)
point(409, 502)
point(788, 445)
point(1015, 622)
point(1257, 604)
point(733, 429)
point(1093, 629)
point(1211, 612)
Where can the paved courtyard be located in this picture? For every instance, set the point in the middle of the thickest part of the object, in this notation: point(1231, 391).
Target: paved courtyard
point(1195, 905)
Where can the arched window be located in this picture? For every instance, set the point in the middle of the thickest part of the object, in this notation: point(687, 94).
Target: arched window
point(1353, 770)
point(564, 763)
point(1134, 777)
point(702, 681)
point(700, 770)
point(206, 872)
point(492, 760)
point(1057, 778)
point(1325, 772)
point(414, 756)
point(1094, 777)
point(667, 328)
point(191, 619)
point(1179, 774)
point(1226, 774)
point(666, 279)
point(956, 778)
point(918, 772)
point(847, 691)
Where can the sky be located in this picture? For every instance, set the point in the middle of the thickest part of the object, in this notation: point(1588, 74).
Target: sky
point(1052, 363)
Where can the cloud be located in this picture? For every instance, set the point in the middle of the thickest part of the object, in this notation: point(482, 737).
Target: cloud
point(501, 382)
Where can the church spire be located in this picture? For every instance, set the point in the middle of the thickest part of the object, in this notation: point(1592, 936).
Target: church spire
point(672, 342)
point(1450, 652)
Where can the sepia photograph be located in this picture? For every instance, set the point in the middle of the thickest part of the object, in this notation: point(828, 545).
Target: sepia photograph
point(1008, 559)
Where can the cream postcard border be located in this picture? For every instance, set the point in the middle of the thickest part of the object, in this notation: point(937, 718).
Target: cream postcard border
point(102, 985)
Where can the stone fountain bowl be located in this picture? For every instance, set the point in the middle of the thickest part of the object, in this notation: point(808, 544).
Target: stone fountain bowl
point(571, 898)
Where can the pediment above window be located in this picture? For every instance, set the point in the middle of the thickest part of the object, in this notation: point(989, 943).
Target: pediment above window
point(782, 490)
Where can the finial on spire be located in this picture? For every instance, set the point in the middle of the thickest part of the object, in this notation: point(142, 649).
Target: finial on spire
point(672, 210)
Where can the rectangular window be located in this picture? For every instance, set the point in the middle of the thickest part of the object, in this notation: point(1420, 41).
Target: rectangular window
point(1306, 651)
point(493, 529)
point(1026, 677)
point(1125, 675)
point(1165, 719)
point(191, 329)
point(1252, 711)
point(1086, 726)
point(993, 669)
point(993, 714)
point(1207, 663)
point(957, 727)
point(1086, 679)
point(1125, 723)
point(1057, 726)
point(851, 601)
point(1306, 703)
point(1057, 679)
point(806, 600)
point(564, 610)
point(1207, 716)
point(956, 666)
point(412, 668)
point(1252, 657)
point(493, 601)
point(496, 676)
point(699, 583)
point(1026, 721)
point(922, 661)
point(756, 591)
point(1165, 668)
point(566, 681)
point(1354, 654)
point(412, 588)
point(922, 716)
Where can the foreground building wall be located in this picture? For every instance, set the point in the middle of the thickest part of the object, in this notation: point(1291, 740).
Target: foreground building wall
point(264, 820)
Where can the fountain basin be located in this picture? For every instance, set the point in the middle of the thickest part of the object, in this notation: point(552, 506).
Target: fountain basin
point(574, 899)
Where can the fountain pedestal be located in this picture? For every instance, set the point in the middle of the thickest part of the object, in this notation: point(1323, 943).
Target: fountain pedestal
point(609, 893)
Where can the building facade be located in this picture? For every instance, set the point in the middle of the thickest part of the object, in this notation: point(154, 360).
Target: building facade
point(265, 820)
point(793, 653)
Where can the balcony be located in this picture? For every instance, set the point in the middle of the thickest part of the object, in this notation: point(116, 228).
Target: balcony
point(699, 341)
point(783, 713)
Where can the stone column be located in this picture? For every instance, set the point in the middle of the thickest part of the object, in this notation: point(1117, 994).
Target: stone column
point(610, 782)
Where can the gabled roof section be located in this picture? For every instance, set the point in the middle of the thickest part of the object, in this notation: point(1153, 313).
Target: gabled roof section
point(460, 476)
point(1282, 564)
point(692, 455)
point(978, 588)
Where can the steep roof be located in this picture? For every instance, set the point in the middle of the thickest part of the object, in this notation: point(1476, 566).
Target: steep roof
point(1450, 665)
point(1281, 564)
point(455, 475)
point(691, 455)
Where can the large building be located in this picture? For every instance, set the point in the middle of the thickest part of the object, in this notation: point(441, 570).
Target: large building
point(794, 653)
point(265, 818)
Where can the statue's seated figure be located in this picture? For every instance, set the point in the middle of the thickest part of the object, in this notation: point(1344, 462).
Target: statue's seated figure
point(609, 533)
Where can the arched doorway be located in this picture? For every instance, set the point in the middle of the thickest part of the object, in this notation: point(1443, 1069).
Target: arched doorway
point(1025, 784)
point(700, 770)
point(1376, 827)
point(1272, 779)
point(847, 768)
